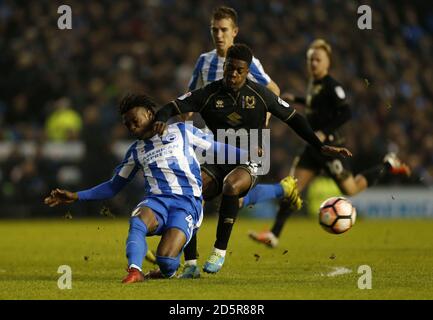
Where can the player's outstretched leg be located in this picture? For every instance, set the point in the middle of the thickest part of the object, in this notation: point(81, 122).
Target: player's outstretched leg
point(262, 193)
point(286, 189)
point(290, 203)
point(391, 165)
point(396, 166)
point(136, 249)
point(270, 238)
point(142, 222)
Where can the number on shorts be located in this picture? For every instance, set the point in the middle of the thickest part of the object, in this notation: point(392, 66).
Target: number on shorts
point(190, 222)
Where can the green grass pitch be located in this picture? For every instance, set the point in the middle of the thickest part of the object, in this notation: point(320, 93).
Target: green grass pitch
point(399, 252)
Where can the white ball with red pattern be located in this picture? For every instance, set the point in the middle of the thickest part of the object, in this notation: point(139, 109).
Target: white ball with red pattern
point(337, 215)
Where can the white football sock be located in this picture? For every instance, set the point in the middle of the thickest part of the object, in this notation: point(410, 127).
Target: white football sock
point(191, 262)
point(220, 252)
point(135, 267)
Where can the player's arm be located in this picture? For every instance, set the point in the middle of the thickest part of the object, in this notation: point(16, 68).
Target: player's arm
point(102, 191)
point(125, 172)
point(282, 110)
point(205, 141)
point(290, 98)
point(275, 89)
point(189, 102)
point(229, 151)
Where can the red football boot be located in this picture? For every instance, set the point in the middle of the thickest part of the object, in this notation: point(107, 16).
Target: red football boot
point(134, 275)
point(397, 167)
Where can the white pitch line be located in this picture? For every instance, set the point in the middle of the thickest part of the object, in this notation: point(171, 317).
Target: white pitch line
point(337, 271)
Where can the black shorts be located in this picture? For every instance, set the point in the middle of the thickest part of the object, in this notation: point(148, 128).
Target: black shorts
point(219, 171)
point(337, 168)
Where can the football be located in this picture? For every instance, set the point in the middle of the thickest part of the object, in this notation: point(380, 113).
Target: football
point(337, 215)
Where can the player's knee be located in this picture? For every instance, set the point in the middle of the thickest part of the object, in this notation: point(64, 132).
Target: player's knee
point(148, 218)
point(137, 223)
point(167, 251)
point(231, 187)
point(168, 265)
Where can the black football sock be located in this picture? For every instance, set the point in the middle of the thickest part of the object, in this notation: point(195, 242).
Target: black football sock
point(190, 251)
point(283, 214)
point(227, 216)
point(373, 175)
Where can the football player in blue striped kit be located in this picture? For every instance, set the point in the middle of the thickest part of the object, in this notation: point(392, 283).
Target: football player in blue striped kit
point(172, 205)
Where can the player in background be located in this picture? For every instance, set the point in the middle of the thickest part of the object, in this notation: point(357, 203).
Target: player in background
point(172, 205)
point(326, 110)
point(209, 66)
point(234, 102)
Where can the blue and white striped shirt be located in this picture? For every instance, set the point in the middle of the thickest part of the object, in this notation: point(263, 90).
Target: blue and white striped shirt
point(209, 68)
point(168, 162)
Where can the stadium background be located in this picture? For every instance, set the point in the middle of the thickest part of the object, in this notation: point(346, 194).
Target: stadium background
point(59, 124)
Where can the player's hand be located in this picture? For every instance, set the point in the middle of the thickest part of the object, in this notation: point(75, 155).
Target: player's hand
point(288, 97)
point(159, 127)
point(59, 196)
point(336, 151)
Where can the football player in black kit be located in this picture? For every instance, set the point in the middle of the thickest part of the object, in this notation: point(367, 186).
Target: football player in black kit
point(326, 110)
point(235, 102)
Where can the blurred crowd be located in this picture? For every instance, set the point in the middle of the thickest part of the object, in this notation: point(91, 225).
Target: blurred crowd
point(63, 85)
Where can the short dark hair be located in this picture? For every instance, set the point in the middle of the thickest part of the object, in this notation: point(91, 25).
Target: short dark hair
point(131, 101)
point(240, 51)
point(224, 12)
